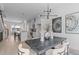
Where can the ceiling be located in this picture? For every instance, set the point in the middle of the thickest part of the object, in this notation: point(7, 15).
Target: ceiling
point(22, 11)
point(17, 12)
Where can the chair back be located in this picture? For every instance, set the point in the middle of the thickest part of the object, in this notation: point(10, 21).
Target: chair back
point(67, 46)
point(49, 52)
point(23, 51)
point(58, 51)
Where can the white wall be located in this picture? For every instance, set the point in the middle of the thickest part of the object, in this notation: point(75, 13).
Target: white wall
point(62, 10)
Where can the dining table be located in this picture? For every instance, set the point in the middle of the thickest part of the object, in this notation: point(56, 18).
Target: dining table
point(40, 47)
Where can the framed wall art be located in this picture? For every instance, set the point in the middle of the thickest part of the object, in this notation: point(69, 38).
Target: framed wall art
point(57, 25)
point(72, 23)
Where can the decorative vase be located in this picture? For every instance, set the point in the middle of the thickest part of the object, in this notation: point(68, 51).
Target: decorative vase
point(47, 35)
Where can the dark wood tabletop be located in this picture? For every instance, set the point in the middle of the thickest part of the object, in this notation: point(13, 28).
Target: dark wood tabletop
point(41, 47)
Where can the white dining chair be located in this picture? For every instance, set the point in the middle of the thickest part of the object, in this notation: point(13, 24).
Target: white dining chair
point(66, 43)
point(57, 51)
point(23, 51)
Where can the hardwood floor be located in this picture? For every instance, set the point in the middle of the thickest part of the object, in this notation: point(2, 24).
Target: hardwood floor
point(9, 46)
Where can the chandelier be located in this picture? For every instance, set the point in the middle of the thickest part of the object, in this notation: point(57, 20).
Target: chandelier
point(48, 11)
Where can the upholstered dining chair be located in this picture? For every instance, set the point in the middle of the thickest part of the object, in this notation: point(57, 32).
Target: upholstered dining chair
point(57, 51)
point(66, 43)
point(61, 49)
point(23, 51)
